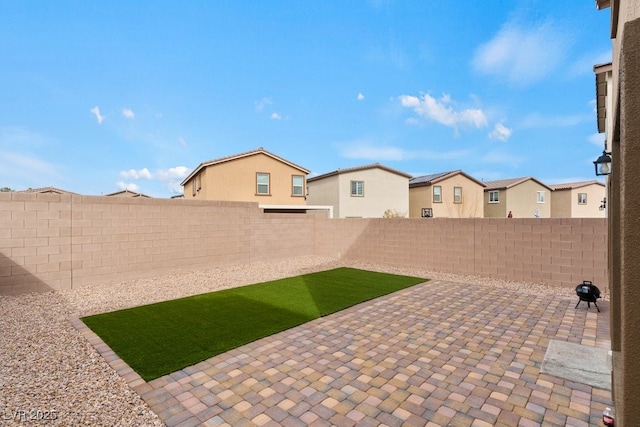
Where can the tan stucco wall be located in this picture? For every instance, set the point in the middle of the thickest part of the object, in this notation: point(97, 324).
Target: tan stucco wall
point(521, 200)
point(496, 210)
point(561, 201)
point(235, 180)
point(472, 199)
point(420, 197)
point(624, 203)
point(595, 196)
point(324, 192)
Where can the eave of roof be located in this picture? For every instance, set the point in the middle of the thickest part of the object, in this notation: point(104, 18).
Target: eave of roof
point(503, 184)
point(574, 185)
point(356, 169)
point(127, 192)
point(434, 178)
point(601, 72)
point(240, 156)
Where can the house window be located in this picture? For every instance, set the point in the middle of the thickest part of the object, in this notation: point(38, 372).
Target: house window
point(262, 183)
point(437, 194)
point(457, 194)
point(297, 185)
point(540, 196)
point(582, 198)
point(357, 188)
point(493, 197)
point(194, 188)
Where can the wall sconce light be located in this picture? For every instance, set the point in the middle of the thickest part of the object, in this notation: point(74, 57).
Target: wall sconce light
point(603, 204)
point(603, 164)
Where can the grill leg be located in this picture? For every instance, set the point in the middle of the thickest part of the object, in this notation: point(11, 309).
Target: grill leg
point(577, 304)
point(596, 304)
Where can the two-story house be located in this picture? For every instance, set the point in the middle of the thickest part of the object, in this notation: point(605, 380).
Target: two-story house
point(452, 194)
point(586, 199)
point(370, 191)
point(252, 176)
point(521, 197)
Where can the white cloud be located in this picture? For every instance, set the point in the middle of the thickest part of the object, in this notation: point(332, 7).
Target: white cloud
point(136, 174)
point(182, 142)
point(500, 132)
point(276, 116)
point(128, 113)
point(360, 96)
point(597, 139)
point(178, 172)
point(169, 178)
point(128, 186)
point(367, 150)
point(442, 112)
point(522, 55)
point(262, 103)
point(96, 112)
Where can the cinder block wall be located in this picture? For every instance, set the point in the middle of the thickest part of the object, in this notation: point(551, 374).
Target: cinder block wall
point(562, 252)
point(50, 241)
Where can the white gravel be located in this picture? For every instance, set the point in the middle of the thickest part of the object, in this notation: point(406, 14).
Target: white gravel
point(48, 370)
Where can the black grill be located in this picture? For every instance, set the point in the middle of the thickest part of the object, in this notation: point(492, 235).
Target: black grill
point(588, 292)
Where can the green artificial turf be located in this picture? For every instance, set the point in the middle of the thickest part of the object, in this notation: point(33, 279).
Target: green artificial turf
point(161, 338)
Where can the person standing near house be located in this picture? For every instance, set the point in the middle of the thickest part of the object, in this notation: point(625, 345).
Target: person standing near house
point(510, 215)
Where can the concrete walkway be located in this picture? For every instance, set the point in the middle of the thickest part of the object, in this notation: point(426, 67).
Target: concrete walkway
point(436, 354)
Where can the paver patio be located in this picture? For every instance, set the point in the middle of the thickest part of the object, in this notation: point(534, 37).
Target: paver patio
point(438, 353)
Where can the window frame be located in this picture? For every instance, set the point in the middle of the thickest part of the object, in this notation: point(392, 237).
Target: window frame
point(294, 186)
point(258, 184)
point(580, 199)
point(356, 193)
point(457, 198)
point(497, 194)
point(439, 195)
point(540, 199)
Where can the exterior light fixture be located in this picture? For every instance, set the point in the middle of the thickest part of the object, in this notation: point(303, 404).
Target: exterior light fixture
point(603, 164)
point(603, 204)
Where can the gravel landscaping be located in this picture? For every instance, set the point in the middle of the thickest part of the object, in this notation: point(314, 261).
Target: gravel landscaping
point(50, 374)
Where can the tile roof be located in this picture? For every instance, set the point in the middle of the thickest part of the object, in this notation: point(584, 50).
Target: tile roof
point(127, 193)
point(239, 156)
point(572, 185)
point(510, 182)
point(358, 168)
point(436, 177)
point(47, 190)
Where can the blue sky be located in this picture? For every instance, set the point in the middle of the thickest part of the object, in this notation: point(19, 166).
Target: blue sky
point(101, 96)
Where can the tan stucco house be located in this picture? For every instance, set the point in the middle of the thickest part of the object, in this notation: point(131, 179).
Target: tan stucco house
point(522, 197)
point(252, 176)
point(363, 192)
point(452, 194)
point(586, 199)
point(623, 204)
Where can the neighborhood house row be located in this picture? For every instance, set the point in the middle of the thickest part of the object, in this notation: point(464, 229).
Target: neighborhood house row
point(375, 190)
